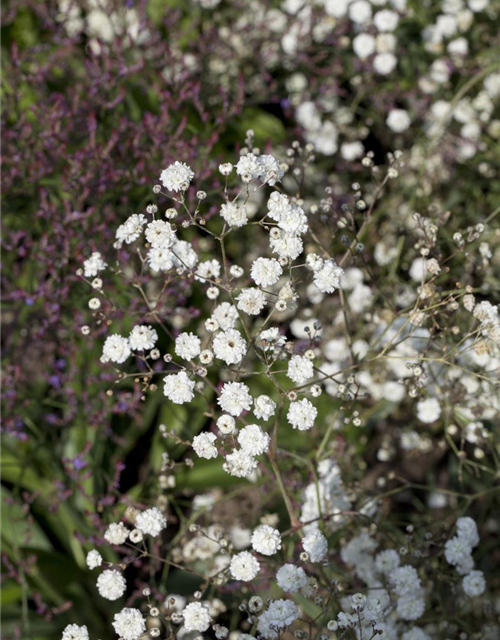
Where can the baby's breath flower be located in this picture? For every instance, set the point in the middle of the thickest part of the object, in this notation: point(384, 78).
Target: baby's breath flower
point(244, 566)
point(178, 387)
point(177, 177)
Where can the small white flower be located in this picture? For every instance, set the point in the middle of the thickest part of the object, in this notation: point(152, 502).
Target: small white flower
point(270, 171)
point(94, 559)
point(251, 301)
point(187, 346)
point(74, 632)
point(93, 265)
point(203, 444)
point(177, 176)
point(287, 245)
point(160, 234)
point(239, 464)
point(226, 424)
point(384, 63)
point(291, 578)
point(226, 168)
point(178, 387)
point(300, 369)
point(474, 584)
point(327, 279)
point(235, 398)
point(196, 617)
point(405, 580)
point(129, 624)
point(253, 440)
point(265, 272)
point(234, 214)
point(208, 270)
point(316, 546)
point(428, 410)
point(151, 522)
point(225, 315)
point(279, 615)
point(111, 584)
point(142, 338)
point(244, 566)
point(363, 45)
point(387, 561)
point(264, 407)
point(248, 167)
point(116, 348)
point(116, 533)
point(160, 259)
point(398, 120)
point(229, 346)
point(411, 606)
point(131, 229)
point(386, 20)
point(302, 414)
point(266, 540)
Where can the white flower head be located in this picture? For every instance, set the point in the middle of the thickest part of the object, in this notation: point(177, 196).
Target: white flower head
point(251, 301)
point(264, 407)
point(142, 338)
point(203, 444)
point(474, 584)
point(265, 272)
point(248, 167)
point(160, 234)
point(428, 410)
point(208, 270)
point(177, 176)
point(291, 578)
point(151, 522)
point(229, 346)
point(253, 440)
point(131, 229)
point(116, 348)
point(234, 214)
point(300, 369)
point(178, 387)
point(235, 398)
point(327, 279)
point(244, 566)
point(94, 559)
point(225, 315)
point(111, 584)
point(279, 615)
point(116, 533)
point(226, 424)
point(240, 464)
point(302, 414)
point(316, 546)
point(266, 540)
point(74, 632)
point(129, 624)
point(196, 617)
point(93, 265)
point(187, 346)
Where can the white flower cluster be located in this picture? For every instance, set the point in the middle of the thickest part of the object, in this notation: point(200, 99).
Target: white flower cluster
point(248, 342)
point(458, 553)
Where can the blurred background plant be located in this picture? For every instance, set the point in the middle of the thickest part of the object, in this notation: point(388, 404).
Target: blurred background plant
point(98, 97)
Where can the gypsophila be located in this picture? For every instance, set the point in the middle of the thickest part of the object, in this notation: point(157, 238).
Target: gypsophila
point(177, 177)
point(111, 584)
point(266, 540)
point(244, 567)
point(129, 624)
point(151, 522)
